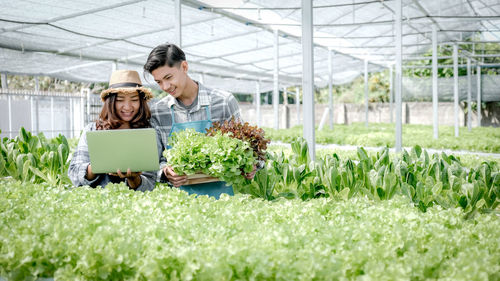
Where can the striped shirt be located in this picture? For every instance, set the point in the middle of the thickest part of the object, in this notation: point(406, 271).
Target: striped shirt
point(222, 105)
point(79, 162)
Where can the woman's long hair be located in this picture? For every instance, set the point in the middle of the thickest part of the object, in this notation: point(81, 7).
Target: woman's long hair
point(109, 120)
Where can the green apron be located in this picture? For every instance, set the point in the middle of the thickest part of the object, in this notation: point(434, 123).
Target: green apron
point(214, 189)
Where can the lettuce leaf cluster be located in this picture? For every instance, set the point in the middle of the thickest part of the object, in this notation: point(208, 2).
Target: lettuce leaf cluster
point(243, 131)
point(114, 233)
point(219, 156)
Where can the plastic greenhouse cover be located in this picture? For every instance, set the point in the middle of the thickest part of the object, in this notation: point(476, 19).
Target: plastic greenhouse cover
point(229, 44)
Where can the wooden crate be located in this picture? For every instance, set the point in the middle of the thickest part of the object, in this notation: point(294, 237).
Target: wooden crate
point(200, 178)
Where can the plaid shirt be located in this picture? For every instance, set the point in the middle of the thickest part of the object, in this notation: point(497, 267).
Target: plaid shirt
point(223, 106)
point(80, 161)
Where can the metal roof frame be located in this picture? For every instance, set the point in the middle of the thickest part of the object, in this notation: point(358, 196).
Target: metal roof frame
point(132, 49)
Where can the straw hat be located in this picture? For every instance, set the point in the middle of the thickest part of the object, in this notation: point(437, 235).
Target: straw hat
point(125, 81)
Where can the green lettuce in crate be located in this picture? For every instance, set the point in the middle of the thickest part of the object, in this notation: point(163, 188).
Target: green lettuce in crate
point(245, 132)
point(219, 156)
point(188, 154)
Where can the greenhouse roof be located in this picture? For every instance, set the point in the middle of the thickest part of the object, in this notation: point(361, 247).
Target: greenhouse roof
point(230, 43)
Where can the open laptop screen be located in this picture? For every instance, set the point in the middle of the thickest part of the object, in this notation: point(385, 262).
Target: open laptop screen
point(110, 150)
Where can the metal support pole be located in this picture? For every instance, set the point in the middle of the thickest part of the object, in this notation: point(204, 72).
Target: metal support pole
point(478, 96)
point(88, 106)
point(391, 93)
point(37, 84)
point(308, 76)
point(286, 109)
point(366, 93)
point(297, 103)
point(330, 92)
point(114, 66)
point(34, 117)
point(435, 95)
point(455, 86)
point(257, 103)
point(52, 116)
point(37, 114)
point(323, 118)
point(285, 95)
point(82, 114)
point(469, 96)
point(32, 111)
point(9, 106)
point(178, 30)
point(5, 86)
point(71, 118)
point(398, 84)
point(276, 90)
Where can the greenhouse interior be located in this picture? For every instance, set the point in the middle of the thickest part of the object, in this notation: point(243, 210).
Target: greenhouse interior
point(250, 140)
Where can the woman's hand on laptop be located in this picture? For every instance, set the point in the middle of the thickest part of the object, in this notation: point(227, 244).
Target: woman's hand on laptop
point(133, 178)
point(174, 178)
point(90, 176)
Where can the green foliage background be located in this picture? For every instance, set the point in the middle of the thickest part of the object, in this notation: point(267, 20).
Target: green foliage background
point(483, 139)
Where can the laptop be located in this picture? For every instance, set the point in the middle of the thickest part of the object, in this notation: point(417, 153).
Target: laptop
point(110, 150)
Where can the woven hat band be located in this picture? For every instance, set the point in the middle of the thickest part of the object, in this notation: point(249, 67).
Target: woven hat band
point(125, 85)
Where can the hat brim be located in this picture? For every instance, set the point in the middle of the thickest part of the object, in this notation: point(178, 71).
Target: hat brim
point(147, 93)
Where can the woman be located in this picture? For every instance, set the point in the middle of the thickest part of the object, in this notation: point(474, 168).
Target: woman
point(125, 107)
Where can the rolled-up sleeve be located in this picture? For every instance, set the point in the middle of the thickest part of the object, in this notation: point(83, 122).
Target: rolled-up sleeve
point(80, 161)
point(148, 181)
point(233, 108)
point(155, 123)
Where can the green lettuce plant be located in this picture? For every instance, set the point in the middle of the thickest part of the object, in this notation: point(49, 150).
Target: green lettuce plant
point(220, 155)
point(36, 159)
point(114, 233)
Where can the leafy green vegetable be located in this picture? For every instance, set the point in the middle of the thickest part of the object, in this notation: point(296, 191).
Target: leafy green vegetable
point(245, 132)
point(35, 159)
point(220, 155)
point(118, 234)
point(486, 139)
point(428, 180)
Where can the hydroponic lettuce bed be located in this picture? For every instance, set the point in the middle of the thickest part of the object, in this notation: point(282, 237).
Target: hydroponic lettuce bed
point(117, 234)
point(485, 139)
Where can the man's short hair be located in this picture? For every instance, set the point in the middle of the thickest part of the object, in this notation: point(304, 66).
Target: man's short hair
point(164, 54)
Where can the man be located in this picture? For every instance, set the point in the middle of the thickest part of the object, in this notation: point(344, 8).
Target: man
point(189, 104)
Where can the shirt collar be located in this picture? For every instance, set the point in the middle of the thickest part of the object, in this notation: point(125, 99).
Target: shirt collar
point(203, 98)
